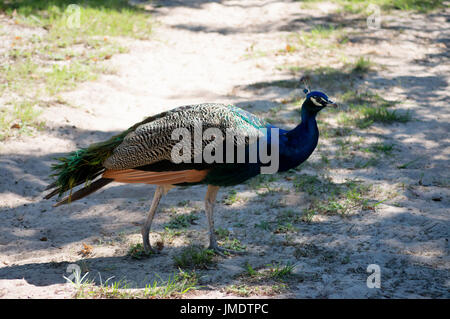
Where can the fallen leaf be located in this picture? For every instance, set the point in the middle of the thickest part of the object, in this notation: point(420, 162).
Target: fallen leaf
point(86, 250)
point(289, 48)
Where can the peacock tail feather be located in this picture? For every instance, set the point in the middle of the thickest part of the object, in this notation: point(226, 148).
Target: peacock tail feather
point(84, 165)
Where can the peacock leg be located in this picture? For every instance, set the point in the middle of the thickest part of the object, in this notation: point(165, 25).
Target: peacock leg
point(210, 201)
point(145, 231)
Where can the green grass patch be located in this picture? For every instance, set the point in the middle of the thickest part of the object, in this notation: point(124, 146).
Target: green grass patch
point(20, 117)
point(175, 285)
point(378, 148)
point(363, 116)
point(321, 36)
point(261, 181)
point(96, 17)
point(314, 185)
point(182, 221)
point(332, 198)
point(408, 164)
point(222, 233)
point(353, 98)
point(37, 67)
point(169, 234)
point(233, 244)
point(279, 271)
point(347, 198)
point(362, 65)
point(360, 6)
point(194, 257)
point(369, 115)
point(276, 271)
point(137, 251)
point(231, 198)
point(264, 225)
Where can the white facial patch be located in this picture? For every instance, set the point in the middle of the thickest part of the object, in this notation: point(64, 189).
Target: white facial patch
point(315, 101)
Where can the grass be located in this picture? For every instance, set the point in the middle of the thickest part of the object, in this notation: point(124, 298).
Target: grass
point(261, 181)
point(334, 79)
point(279, 271)
point(182, 221)
point(349, 199)
point(353, 97)
point(222, 233)
point(244, 290)
point(39, 66)
point(194, 257)
point(332, 198)
point(137, 251)
point(62, 77)
point(313, 185)
point(360, 6)
point(363, 109)
point(308, 215)
point(276, 271)
point(20, 118)
point(233, 244)
point(362, 65)
point(264, 225)
point(269, 280)
point(283, 228)
point(284, 222)
point(378, 148)
point(407, 164)
point(169, 234)
point(175, 285)
point(367, 115)
point(318, 37)
point(231, 198)
point(364, 115)
point(96, 17)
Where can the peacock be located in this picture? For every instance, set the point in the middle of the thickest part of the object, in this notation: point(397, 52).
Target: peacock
point(149, 152)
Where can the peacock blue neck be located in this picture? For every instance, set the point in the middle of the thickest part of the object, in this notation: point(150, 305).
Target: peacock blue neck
point(300, 142)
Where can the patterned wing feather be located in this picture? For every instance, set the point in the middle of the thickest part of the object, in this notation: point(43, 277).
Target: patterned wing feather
point(152, 141)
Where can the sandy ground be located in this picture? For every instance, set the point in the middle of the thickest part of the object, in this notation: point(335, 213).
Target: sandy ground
point(199, 54)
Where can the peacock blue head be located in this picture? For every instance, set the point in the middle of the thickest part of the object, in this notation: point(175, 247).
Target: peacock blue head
point(316, 101)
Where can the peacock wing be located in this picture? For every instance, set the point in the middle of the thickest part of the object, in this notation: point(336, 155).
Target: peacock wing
point(153, 141)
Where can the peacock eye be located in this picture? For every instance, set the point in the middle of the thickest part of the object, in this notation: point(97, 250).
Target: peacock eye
point(316, 100)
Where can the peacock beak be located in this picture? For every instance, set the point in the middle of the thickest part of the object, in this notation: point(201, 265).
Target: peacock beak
point(332, 104)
